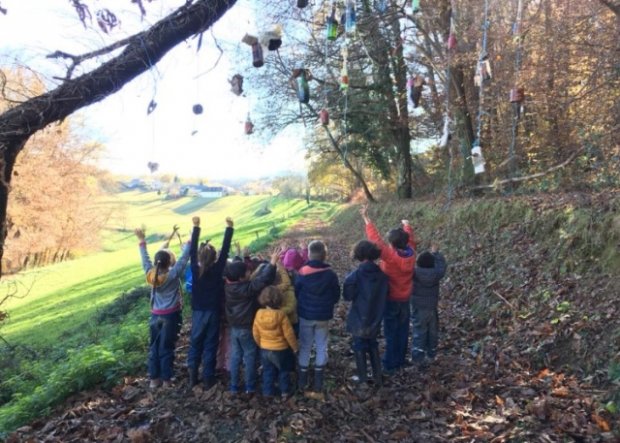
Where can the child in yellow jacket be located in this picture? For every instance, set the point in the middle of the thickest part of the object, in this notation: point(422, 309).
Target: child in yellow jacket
point(275, 337)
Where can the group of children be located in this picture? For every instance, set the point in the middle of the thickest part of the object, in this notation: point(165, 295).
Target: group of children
point(278, 310)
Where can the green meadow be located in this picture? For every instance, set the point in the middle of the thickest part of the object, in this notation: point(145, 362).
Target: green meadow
point(84, 313)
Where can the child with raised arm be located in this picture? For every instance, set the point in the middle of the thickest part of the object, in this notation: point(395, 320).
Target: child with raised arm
point(207, 301)
point(241, 306)
point(430, 269)
point(398, 263)
point(275, 337)
point(318, 290)
point(367, 289)
point(164, 279)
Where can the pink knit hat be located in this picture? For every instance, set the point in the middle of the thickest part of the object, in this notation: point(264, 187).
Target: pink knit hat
point(293, 260)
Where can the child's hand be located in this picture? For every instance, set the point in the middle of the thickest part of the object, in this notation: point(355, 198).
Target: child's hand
point(246, 252)
point(364, 213)
point(229, 222)
point(196, 221)
point(275, 255)
point(405, 222)
point(434, 247)
point(139, 233)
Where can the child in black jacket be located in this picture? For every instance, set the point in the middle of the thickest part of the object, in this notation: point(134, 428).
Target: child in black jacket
point(241, 305)
point(367, 288)
point(430, 269)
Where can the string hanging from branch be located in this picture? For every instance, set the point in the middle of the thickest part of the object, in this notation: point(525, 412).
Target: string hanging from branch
point(517, 93)
point(476, 150)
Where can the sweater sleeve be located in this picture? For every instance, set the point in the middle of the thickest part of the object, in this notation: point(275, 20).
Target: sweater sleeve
point(147, 264)
point(193, 250)
point(412, 240)
point(349, 287)
point(179, 266)
point(289, 334)
point(440, 265)
point(223, 257)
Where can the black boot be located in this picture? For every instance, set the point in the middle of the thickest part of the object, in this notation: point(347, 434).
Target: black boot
point(209, 382)
point(318, 379)
point(375, 363)
point(193, 377)
point(360, 363)
point(302, 380)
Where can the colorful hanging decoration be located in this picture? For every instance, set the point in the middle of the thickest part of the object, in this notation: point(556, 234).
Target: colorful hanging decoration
point(301, 77)
point(197, 109)
point(477, 158)
point(248, 126)
point(153, 166)
point(332, 25)
point(344, 73)
point(416, 84)
point(236, 84)
point(415, 6)
point(272, 39)
point(257, 50)
point(381, 6)
point(350, 20)
point(324, 117)
point(302, 3)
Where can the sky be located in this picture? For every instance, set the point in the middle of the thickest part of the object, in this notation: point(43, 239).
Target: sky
point(220, 149)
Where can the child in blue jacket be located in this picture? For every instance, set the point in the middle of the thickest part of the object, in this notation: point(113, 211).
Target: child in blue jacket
point(430, 269)
point(164, 278)
point(317, 290)
point(367, 287)
point(207, 302)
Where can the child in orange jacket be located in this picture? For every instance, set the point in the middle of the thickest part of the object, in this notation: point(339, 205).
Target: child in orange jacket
point(398, 263)
point(275, 337)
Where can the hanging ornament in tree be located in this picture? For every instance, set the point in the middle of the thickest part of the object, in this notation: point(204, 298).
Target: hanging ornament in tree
point(350, 20)
point(451, 43)
point(332, 25)
point(416, 83)
point(257, 50)
point(302, 3)
point(272, 39)
point(445, 136)
point(483, 70)
point(153, 166)
point(236, 84)
point(517, 95)
point(151, 107)
point(344, 73)
point(324, 117)
point(415, 6)
point(303, 90)
point(248, 126)
point(381, 5)
point(477, 158)
point(197, 109)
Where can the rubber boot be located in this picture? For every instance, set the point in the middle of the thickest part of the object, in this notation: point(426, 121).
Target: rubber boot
point(360, 363)
point(302, 380)
point(209, 382)
point(193, 377)
point(375, 363)
point(318, 379)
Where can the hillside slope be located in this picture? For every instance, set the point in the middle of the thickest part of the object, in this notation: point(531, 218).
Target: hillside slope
point(528, 347)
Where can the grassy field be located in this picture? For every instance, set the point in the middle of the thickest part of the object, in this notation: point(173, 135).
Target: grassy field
point(74, 324)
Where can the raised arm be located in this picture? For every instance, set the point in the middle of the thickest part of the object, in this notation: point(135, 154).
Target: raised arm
point(440, 262)
point(409, 230)
point(179, 266)
point(228, 235)
point(266, 276)
point(144, 255)
point(193, 250)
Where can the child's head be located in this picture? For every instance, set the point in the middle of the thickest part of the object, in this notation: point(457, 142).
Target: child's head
point(317, 250)
point(398, 238)
point(426, 260)
point(163, 259)
point(207, 255)
point(236, 271)
point(366, 250)
point(292, 259)
point(270, 297)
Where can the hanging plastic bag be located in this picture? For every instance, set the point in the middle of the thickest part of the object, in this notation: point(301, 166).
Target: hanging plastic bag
point(477, 158)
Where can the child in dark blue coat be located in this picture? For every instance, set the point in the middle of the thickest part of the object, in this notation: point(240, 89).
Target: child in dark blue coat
point(207, 301)
point(367, 287)
point(430, 269)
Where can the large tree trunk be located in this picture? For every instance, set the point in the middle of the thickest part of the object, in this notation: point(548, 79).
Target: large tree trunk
point(141, 52)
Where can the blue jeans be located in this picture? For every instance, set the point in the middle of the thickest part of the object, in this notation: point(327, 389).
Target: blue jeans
point(244, 347)
point(425, 333)
point(317, 332)
point(278, 364)
point(364, 344)
point(164, 331)
point(203, 342)
point(396, 331)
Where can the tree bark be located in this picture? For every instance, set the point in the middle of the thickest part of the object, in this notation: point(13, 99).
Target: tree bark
point(141, 52)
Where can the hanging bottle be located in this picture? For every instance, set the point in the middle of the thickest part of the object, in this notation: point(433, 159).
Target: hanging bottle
point(302, 3)
point(477, 158)
point(332, 25)
point(381, 6)
point(350, 20)
point(324, 117)
point(249, 126)
point(517, 95)
point(415, 6)
point(451, 41)
point(303, 90)
point(257, 55)
point(344, 78)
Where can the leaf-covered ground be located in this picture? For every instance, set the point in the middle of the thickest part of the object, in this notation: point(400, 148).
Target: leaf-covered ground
point(500, 377)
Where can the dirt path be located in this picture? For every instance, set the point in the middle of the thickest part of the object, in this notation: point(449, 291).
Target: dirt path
point(476, 392)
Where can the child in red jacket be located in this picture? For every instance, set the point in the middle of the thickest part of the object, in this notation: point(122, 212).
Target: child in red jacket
point(398, 263)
